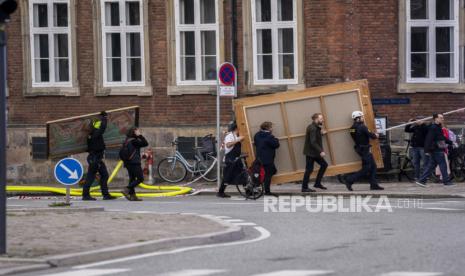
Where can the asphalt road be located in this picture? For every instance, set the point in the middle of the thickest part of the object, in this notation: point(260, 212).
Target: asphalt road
point(424, 241)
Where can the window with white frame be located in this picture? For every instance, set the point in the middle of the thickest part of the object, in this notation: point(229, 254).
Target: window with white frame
point(197, 43)
point(50, 42)
point(274, 28)
point(122, 42)
point(432, 41)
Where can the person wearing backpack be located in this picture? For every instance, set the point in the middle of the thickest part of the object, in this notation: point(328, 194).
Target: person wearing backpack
point(130, 155)
point(96, 149)
point(266, 145)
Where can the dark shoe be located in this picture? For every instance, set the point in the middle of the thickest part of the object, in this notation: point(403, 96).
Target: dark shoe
point(320, 187)
point(223, 195)
point(126, 194)
point(377, 187)
point(347, 183)
point(421, 184)
point(133, 197)
point(109, 197)
point(271, 194)
point(308, 190)
point(88, 198)
point(449, 184)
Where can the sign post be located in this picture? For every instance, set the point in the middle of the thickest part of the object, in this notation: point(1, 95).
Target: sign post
point(68, 172)
point(226, 87)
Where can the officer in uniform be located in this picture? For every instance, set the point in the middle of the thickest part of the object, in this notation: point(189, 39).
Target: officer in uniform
point(96, 149)
point(361, 136)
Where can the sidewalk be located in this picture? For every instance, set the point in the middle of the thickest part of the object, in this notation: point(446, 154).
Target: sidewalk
point(49, 237)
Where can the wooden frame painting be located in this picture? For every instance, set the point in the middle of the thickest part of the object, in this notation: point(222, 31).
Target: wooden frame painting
point(290, 113)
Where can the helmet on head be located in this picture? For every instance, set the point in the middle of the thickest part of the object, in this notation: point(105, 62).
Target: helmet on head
point(357, 114)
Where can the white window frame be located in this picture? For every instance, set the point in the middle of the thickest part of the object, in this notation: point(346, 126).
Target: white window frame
point(431, 24)
point(197, 28)
point(122, 29)
point(51, 31)
point(274, 25)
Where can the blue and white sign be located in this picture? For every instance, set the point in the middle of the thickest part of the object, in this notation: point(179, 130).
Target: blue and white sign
point(68, 171)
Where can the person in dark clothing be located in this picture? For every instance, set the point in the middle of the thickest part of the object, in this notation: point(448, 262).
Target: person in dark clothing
point(361, 136)
point(265, 148)
point(134, 141)
point(419, 131)
point(435, 144)
point(313, 151)
point(96, 149)
point(233, 166)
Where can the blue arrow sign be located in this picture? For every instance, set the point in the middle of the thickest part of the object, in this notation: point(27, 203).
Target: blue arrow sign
point(68, 171)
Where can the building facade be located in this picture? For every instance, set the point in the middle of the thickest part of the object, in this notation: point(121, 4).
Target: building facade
point(70, 57)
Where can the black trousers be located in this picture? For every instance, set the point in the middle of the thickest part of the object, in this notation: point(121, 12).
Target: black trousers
point(310, 162)
point(270, 170)
point(136, 176)
point(96, 164)
point(368, 168)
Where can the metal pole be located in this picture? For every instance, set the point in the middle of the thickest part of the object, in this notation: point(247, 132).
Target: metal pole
point(3, 78)
point(218, 142)
point(68, 195)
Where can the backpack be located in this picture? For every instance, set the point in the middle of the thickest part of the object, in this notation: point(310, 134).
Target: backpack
point(125, 153)
point(257, 172)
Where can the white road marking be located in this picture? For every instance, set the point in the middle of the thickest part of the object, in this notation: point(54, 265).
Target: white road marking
point(89, 272)
point(402, 273)
point(444, 209)
point(296, 273)
point(195, 272)
point(233, 220)
point(264, 234)
point(223, 217)
point(244, 224)
point(190, 214)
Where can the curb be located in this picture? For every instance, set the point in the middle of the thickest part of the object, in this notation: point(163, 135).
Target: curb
point(232, 233)
point(57, 209)
point(24, 269)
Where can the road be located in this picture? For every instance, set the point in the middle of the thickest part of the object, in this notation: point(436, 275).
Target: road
point(429, 241)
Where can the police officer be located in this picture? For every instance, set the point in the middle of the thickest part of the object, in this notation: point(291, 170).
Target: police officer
point(96, 149)
point(361, 136)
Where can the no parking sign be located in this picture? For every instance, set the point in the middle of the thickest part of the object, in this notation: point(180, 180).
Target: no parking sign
point(227, 81)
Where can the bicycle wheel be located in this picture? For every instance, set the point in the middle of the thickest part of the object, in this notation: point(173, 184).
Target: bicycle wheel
point(457, 169)
point(172, 170)
point(206, 165)
point(249, 189)
point(407, 169)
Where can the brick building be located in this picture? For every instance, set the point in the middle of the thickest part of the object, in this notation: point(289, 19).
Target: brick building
point(70, 57)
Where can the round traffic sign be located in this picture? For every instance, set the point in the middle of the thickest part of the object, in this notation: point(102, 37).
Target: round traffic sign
point(68, 171)
point(227, 74)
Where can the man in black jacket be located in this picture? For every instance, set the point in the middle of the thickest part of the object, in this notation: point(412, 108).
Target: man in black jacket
point(435, 144)
point(134, 141)
point(266, 145)
point(417, 142)
point(96, 149)
point(313, 151)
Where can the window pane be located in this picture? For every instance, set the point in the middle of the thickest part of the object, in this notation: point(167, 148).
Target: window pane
point(40, 15)
point(60, 14)
point(188, 68)
point(187, 43)
point(419, 64)
point(264, 45)
point(113, 45)
point(207, 9)
point(114, 69)
point(285, 10)
point(62, 69)
point(286, 40)
point(134, 69)
point(444, 65)
point(208, 43)
point(208, 68)
point(41, 46)
point(419, 39)
point(186, 13)
point(111, 13)
point(61, 45)
point(42, 72)
point(263, 10)
point(444, 39)
point(286, 66)
point(132, 13)
point(418, 9)
point(265, 67)
point(444, 10)
point(133, 45)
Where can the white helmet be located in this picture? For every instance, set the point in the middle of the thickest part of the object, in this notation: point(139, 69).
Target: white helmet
point(357, 114)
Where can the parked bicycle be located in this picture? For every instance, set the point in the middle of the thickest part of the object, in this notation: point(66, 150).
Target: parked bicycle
point(174, 168)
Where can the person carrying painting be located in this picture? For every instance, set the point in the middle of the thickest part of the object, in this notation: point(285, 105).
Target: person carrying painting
point(313, 151)
point(361, 136)
point(265, 148)
point(96, 149)
point(417, 141)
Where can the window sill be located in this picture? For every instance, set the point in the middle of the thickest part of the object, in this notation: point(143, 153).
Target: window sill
point(274, 88)
point(191, 90)
point(52, 91)
point(406, 88)
point(142, 91)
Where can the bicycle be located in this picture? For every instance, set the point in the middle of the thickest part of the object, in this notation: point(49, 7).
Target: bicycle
point(457, 163)
point(173, 169)
point(244, 182)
